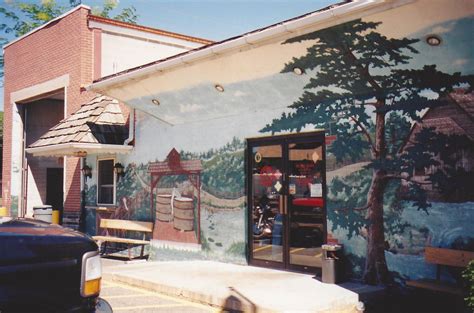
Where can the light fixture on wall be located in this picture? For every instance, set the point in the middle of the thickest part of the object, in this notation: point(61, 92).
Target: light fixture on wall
point(298, 71)
point(119, 169)
point(155, 101)
point(219, 88)
point(433, 40)
point(87, 171)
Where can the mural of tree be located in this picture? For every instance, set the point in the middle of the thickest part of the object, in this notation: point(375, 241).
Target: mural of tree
point(360, 81)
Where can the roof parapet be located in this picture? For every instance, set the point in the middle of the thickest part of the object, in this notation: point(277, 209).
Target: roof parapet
point(81, 6)
point(147, 29)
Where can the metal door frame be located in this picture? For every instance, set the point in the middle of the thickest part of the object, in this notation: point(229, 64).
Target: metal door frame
point(284, 141)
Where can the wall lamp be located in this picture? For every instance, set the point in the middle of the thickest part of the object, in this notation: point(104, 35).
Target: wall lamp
point(433, 40)
point(87, 171)
point(219, 88)
point(298, 71)
point(119, 169)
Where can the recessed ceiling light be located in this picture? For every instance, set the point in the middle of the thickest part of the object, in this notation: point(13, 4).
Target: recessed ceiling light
point(155, 101)
point(219, 88)
point(433, 40)
point(298, 71)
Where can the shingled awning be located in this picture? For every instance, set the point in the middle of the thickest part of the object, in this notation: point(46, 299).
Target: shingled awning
point(97, 127)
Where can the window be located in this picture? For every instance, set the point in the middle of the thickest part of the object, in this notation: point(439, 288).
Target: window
point(106, 182)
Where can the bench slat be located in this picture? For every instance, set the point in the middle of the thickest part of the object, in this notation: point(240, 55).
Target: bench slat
point(450, 257)
point(435, 286)
point(121, 240)
point(144, 227)
point(127, 225)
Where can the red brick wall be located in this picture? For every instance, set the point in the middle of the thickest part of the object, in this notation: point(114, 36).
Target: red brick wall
point(97, 53)
point(63, 47)
point(46, 113)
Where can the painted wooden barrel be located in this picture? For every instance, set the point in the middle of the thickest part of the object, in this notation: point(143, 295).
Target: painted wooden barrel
point(163, 208)
point(183, 214)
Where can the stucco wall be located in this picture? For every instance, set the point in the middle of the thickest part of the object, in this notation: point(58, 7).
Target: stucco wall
point(345, 68)
point(122, 51)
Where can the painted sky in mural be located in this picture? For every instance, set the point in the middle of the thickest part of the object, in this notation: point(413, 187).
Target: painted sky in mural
point(259, 100)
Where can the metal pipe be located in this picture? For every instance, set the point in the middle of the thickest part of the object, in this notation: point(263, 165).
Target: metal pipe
point(131, 129)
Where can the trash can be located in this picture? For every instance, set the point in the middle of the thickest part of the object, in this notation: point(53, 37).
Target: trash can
point(43, 213)
point(3, 211)
point(56, 216)
point(332, 263)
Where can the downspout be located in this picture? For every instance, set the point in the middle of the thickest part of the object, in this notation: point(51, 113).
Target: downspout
point(82, 218)
point(131, 129)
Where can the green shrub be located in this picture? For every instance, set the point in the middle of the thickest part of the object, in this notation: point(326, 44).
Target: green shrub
point(468, 274)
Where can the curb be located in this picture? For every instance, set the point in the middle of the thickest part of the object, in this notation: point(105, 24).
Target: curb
point(234, 301)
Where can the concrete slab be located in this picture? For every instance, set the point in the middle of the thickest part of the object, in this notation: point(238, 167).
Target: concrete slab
point(245, 288)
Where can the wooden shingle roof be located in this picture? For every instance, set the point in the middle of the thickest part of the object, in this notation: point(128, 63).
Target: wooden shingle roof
point(174, 165)
point(465, 101)
point(165, 168)
point(454, 118)
point(100, 121)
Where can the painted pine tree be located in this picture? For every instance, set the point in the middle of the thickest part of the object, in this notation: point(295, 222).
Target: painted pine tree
point(359, 81)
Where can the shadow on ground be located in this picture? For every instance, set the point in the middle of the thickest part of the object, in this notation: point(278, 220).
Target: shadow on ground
point(414, 301)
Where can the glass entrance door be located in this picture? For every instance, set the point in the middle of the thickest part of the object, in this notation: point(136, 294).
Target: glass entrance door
point(286, 192)
point(267, 196)
point(305, 203)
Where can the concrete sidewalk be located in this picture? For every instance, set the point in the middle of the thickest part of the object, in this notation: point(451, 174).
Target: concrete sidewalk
point(244, 288)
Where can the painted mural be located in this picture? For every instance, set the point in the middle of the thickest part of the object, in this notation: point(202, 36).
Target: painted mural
point(221, 206)
point(400, 107)
point(361, 81)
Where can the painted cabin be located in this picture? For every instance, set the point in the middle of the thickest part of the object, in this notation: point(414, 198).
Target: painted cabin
point(449, 178)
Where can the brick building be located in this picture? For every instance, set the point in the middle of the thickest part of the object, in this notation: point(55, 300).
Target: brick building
point(46, 71)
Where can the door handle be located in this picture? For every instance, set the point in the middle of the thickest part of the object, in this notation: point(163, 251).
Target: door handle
point(283, 205)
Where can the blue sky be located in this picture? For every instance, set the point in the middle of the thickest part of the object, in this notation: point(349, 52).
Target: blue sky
point(210, 19)
point(219, 19)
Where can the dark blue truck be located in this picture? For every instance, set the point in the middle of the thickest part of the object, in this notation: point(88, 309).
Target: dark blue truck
point(47, 268)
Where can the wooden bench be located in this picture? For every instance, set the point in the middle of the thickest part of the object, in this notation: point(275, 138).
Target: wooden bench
point(126, 225)
point(443, 257)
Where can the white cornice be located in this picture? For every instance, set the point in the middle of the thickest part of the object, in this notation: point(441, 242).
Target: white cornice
point(73, 148)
